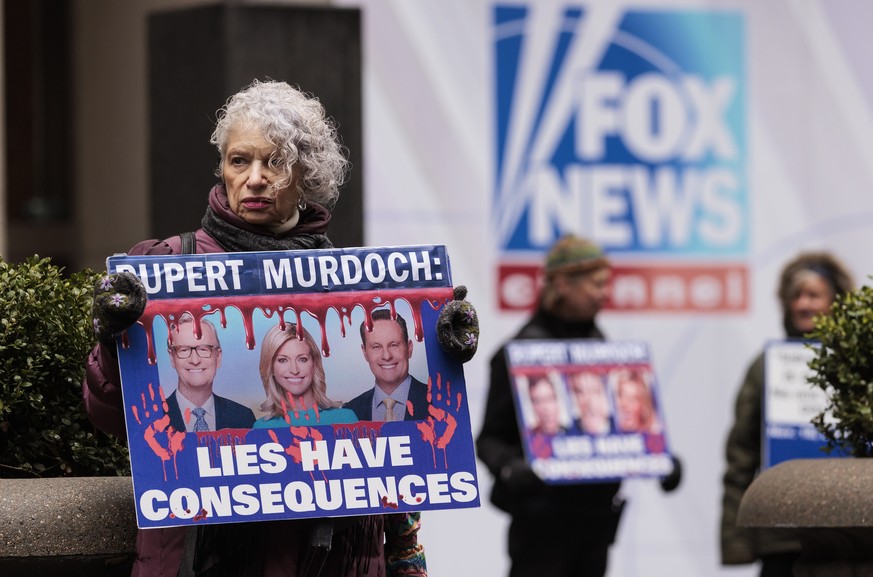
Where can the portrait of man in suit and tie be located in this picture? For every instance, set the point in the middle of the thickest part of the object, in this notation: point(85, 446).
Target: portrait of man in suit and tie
point(193, 406)
point(396, 395)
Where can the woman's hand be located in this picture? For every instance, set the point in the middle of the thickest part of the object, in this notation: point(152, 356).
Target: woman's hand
point(119, 300)
point(458, 327)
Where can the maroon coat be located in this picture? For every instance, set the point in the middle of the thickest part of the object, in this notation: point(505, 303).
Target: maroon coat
point(159, 551)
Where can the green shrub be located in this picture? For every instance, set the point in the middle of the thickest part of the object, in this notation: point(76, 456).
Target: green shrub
point(843, 368)
point(45, 337)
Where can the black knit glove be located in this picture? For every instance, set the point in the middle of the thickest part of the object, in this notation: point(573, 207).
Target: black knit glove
point(519, 477)
point(458, 327)
point(119, 300)
point(670, 482)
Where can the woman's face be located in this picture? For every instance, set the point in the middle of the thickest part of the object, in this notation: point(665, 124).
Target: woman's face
point(591, 401)
point(249, 176)
point(812, 297)
point(293, 368)
point(545, 406)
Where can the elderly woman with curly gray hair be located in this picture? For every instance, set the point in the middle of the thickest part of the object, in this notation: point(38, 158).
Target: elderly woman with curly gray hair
point(281, 167)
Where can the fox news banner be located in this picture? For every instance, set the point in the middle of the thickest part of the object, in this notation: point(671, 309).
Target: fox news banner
point(597, 416)
point(315, 470)
point(790, 403)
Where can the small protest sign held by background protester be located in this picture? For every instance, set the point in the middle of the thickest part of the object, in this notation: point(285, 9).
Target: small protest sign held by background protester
point(790, 403)
point(288, 352)
point(588, 410)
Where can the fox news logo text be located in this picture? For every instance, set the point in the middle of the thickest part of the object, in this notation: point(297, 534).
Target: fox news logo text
point(629, 129)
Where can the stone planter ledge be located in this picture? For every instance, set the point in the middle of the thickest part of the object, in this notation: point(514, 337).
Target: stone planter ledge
point(66, 517)
point(827, 504)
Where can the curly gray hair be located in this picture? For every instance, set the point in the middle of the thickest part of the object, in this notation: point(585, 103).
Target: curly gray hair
point(296, 124)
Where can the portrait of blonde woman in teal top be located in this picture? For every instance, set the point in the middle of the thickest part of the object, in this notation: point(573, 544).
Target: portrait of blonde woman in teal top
point(292, 372)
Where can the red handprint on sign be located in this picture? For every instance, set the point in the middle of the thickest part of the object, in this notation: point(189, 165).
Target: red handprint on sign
point(298, 436)
point(439, 426)
point(164, 440)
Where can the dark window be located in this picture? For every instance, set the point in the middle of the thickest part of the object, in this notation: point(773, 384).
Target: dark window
point(38, 120)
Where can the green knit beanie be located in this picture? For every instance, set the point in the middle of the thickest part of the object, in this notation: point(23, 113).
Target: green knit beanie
point(573, 254)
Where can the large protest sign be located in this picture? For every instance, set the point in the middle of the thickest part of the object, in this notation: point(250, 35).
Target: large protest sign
point(588, 410)
point(307, 461)
point(790, 403)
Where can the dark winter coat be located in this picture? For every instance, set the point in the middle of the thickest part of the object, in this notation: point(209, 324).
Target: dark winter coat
point(739, 545)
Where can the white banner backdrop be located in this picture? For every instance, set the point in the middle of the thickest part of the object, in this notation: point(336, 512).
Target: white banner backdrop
point(806, 152)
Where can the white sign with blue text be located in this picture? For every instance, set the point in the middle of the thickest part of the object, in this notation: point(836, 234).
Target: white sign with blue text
point(790, 403)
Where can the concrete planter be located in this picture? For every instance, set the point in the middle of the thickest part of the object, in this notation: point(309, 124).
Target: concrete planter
point(825, 503)
point(67, 526)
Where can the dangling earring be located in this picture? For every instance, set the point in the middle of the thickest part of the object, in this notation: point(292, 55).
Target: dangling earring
point(301, 203)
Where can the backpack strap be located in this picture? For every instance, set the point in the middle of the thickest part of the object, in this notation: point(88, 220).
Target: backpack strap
point(189, 242)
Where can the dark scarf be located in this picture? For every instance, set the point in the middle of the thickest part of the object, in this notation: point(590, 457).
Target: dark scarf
point(545, 325)
point(236, 235)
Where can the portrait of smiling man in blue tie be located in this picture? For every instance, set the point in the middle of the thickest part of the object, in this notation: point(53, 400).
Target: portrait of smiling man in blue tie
point(193, 407)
